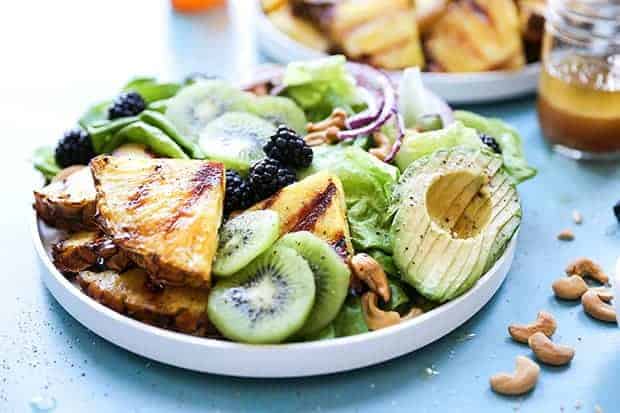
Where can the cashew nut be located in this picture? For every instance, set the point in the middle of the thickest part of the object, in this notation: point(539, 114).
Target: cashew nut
point(548, 352)
point(566, 235)
point(585, 267)
point(413, 313)
point(544, 323)
point(569, 288)
point(338, 119)
point(383, 146)
point(596, 304)
point(329, 135)
point(523, 380)
point(374, 317)
point(367, 269)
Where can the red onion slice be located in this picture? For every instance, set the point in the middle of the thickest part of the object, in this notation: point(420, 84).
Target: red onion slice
point(370, 76)
point(400, 127)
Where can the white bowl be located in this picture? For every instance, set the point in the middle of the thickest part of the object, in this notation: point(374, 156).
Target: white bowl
point(453, 87)
point(283, 360)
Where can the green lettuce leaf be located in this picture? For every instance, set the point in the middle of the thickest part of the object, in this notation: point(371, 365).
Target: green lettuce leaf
point(151, 90)
point(350, 320)
point(367, 185)
point(44, 161)
point(318, 86)
point(508, 139)
point(419, 144)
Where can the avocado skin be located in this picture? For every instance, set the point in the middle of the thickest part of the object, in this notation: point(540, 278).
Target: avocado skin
point(445, 239)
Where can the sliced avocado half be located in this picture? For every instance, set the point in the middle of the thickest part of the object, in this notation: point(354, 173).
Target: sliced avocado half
point(455, 212)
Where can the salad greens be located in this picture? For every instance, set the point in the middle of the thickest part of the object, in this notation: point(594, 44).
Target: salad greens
point(151, 90)
point(319, 86)
point(157, 140)
point(312, 90)
point(350, 319)
point(419, 144)
point(43, 161)
point(367, 185)
point(508, 139)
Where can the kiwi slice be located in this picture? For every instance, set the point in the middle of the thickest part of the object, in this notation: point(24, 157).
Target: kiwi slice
point(244, 238)
point(331, 276)
point(279, 111)
point(195, 106)
point(267, 301)
point(236, 139)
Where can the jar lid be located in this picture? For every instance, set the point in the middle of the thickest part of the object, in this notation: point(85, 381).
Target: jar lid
point(587, 21)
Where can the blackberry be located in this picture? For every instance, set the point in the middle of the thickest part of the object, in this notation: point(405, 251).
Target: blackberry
point(269, 175)
point(75, 148)
point(490, 142)
point(617, 210)
point(239, 194)
point(289, 148)
point(126, 104)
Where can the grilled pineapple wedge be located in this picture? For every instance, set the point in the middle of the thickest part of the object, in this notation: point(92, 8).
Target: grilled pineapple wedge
point(68, 202)
point(314, 204)
point(384, 32)
point(84, 249)
point(475, 36)
point(427, 13)
point(165, 213)
point(178, 308)
point(298, 29)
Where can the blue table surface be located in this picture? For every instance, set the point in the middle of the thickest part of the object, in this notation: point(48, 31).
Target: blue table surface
point(59, 56)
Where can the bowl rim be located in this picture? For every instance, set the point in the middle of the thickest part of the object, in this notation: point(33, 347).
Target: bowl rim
point(339, 342)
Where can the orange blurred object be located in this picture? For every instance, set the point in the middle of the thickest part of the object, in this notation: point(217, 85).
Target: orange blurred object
point(192, 6)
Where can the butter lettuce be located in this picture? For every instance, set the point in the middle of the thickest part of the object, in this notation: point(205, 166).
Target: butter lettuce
point(350, 319)
point(44, 161)
point(367, 185)
point(318, 86)
point(419, 144)
point(465, 131)
point(508, 139)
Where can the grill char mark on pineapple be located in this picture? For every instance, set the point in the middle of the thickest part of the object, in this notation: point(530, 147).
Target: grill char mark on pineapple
point(138, 198)
point(310, 214)
point(204, 179)
point(479, 10)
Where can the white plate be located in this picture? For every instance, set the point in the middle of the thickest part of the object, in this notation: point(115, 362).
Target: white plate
point(284, 360)
point(453, 87)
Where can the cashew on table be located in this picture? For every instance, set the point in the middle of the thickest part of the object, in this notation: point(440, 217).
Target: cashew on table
point(544, 323)
point(521, 381)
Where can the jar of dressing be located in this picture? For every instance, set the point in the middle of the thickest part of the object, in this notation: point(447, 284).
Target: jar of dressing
point(579, 88)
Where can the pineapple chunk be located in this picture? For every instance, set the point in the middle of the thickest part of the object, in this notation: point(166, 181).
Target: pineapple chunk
point(475, 36)
point(384, 33)
point(179, 308)
point(84, 249)
point(165, 213)
point(68, 202)
point(314, 204)
point(349, 14)
point(380, 33)
point(298, 29)
point(514, 63)
point(428, 12)
point(407, 55)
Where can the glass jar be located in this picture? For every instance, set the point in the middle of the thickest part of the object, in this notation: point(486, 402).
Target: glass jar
point(579, 88)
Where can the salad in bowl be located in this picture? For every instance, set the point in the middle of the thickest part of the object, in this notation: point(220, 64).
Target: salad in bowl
point(319, 201)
